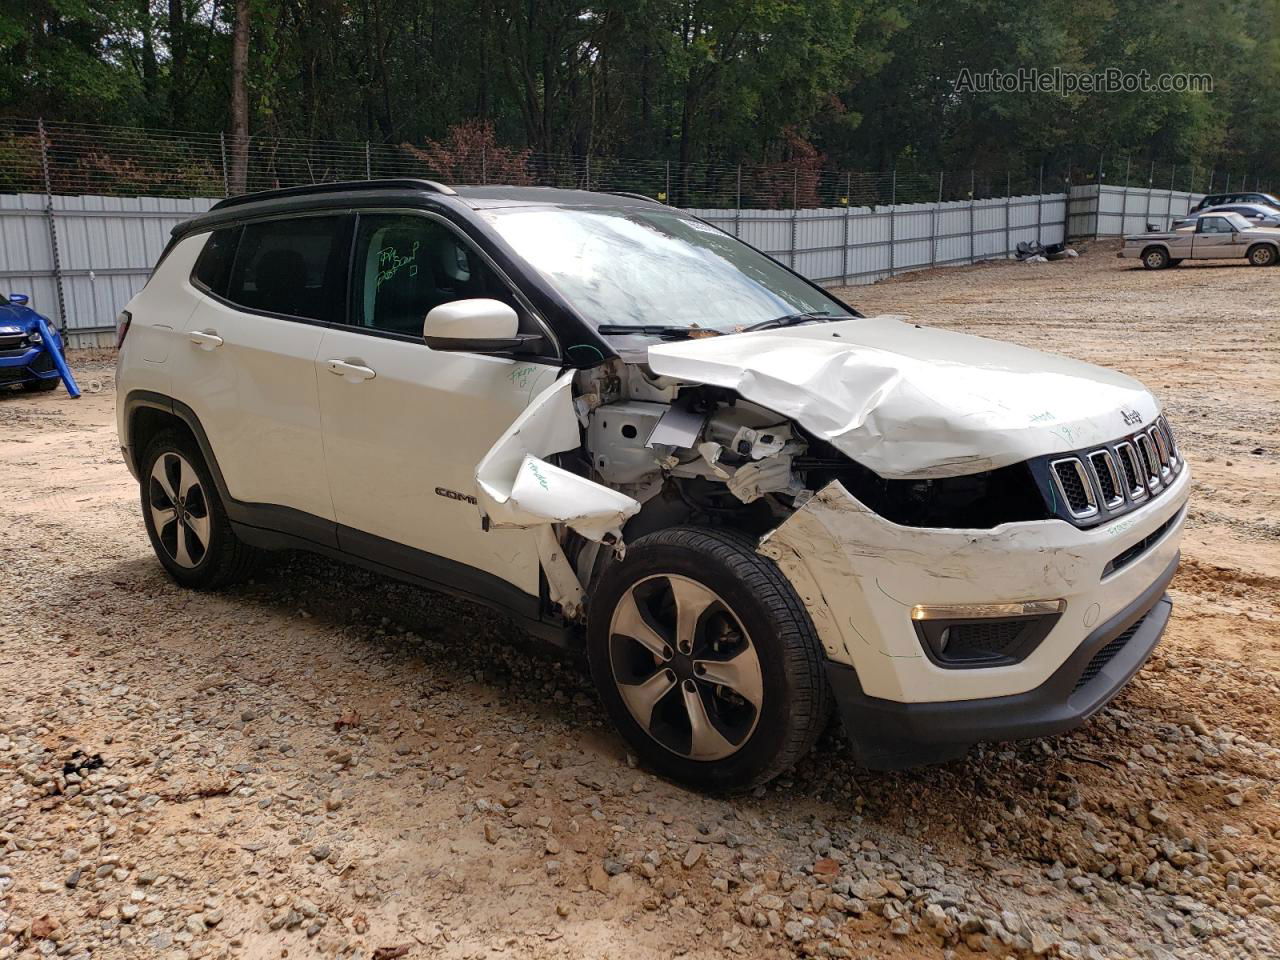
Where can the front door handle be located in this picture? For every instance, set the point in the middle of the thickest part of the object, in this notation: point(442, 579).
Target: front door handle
point(205, 339)
point(353, 371)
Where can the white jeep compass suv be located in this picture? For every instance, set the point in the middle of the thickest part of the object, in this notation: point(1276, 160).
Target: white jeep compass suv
point(641, 437)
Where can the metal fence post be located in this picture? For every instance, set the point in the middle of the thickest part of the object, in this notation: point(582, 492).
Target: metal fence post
point(1168, 218)
point(1040, 207)
point(222, 144)
point(1124, 199)
point(893, 221)
point(1151, 181)
point(1008, 190)
point(51, 219)
point(795, 212)
point(844, 245)
point(972, 188)
point(737, 207)
point(368, 163)
point(937, 210)
point(588, 170)
point(666, 192)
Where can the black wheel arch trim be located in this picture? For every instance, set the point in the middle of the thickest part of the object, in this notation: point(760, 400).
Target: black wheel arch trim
point(276, 527)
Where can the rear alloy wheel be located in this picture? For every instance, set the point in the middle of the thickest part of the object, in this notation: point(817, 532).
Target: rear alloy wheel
point(1155, 258)
point(184, 517)
point(706, 659)
point(1262, 255)
point(179, 510)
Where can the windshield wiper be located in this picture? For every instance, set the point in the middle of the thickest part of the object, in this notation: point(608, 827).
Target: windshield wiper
point(789, 320)
point(654, 330)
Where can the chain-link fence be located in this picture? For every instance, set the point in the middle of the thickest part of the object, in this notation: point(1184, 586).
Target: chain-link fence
point(83, 159)
point(77, 159)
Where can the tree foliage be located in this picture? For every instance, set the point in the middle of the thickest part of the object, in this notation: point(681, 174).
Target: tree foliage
point(854, 83)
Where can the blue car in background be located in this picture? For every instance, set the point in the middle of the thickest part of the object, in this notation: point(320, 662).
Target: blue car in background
point(24, 359)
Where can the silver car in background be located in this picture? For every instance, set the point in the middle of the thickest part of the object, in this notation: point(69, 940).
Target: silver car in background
point(1257, 214)
point(1210, 236)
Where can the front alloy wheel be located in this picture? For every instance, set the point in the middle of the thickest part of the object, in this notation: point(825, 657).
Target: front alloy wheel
point(1262, 255)
point(706, 659)
point(685, 667)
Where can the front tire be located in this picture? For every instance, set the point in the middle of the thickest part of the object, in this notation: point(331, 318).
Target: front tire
point(706, 660)
point(1155, 258)
point(185, 519)
point(1262, 255)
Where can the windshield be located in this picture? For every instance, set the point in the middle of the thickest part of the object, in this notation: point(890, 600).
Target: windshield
point(630, 266)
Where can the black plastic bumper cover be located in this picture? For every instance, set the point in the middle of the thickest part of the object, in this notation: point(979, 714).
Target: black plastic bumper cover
point(889, 735)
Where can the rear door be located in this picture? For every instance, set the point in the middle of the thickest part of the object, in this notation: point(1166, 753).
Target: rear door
point(248, 362)
point(405, 425)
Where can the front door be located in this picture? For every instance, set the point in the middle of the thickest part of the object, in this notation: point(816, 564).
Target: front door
point(1215, 239)
point(404, 425)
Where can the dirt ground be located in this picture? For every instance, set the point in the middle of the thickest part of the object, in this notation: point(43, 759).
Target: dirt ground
point(325, 763)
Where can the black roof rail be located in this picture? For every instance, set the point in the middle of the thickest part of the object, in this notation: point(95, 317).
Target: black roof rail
point(337, 186)
point(636, 196)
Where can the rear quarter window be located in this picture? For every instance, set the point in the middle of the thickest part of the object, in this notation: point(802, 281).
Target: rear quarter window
point(213, 266)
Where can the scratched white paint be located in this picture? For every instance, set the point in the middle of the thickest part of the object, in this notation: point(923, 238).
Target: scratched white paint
point(859, 575)
point(518, 488)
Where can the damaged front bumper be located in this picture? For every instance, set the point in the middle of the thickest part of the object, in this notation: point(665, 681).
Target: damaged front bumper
point(860, 577)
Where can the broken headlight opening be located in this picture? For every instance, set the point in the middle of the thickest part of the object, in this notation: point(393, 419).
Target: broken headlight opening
point(977, 501)
point(970, 636)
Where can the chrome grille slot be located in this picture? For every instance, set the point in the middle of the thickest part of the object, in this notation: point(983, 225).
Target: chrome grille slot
point(1148, 459)
point(1135, 484)
point(1104, 470)
point(1167, 430)
point(1073, 484)
point(1162, 451)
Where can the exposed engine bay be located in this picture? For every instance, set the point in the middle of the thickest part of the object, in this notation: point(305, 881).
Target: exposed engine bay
point(637, 452)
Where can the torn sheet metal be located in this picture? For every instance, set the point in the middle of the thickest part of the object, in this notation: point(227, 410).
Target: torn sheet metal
point(859, 575)
point(517, 488)
point(916, 402)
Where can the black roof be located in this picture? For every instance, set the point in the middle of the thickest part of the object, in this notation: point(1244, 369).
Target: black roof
point(402, 191)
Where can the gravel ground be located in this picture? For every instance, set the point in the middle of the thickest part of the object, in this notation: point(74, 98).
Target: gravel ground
point(325, 763)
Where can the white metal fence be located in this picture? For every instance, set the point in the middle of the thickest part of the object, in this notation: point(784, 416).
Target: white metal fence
point(81, 258)
point(852, 245)
point(1113, 211)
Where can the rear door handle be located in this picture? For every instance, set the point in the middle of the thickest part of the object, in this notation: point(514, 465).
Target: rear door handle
point(205, 339)
point(353, 371)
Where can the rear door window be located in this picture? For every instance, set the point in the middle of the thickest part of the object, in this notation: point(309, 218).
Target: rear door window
point(294, 267)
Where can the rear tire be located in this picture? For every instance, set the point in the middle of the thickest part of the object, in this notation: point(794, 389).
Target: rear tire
point(1262, 255)
point(41, 386)
point(706, 659)
point(1155, 258)
point(185, 519)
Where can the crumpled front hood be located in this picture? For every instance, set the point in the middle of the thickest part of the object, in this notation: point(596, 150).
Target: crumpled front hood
point(916, 402)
